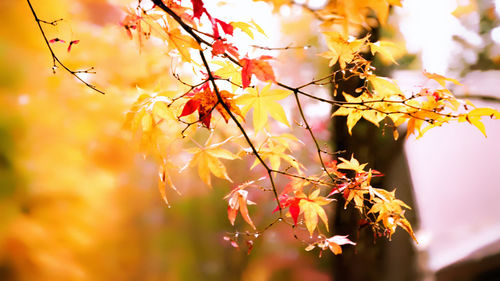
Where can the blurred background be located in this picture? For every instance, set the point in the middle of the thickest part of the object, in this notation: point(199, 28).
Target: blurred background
point(78, 200)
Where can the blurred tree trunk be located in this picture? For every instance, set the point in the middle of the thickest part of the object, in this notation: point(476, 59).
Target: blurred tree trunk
point(372, 259)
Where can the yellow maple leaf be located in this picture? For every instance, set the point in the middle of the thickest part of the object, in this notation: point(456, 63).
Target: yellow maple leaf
point(387, 49)
point(440, 78)
point(352, 164)
point(263, 103)
point(275, 152)
point(207, 160)
point(311, 208)
point(384, 87)
point(229, 71)
point(355, 111)
point(341, 49)
point(390, 211)
point(182, 43)
point(475, 115)
point(247, 28)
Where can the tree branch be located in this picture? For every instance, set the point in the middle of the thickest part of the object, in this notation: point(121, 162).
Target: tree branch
point(55, 59)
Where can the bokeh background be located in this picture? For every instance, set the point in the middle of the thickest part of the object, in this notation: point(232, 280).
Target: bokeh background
point(79, 201)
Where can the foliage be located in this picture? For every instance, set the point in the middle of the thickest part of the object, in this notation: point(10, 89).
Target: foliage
point(230, 83)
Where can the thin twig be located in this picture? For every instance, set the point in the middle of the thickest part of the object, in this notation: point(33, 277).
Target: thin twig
point(55, 59)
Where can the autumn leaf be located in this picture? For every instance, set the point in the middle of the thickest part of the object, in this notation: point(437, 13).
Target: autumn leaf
point(311, 208)
point(207, 160)
point(333, 243)
point(198, 8)
point(247, 28)
point(229, 70)
point(244, 27)
point(386, 49)
point(258, 67)
point(220, 47)
point(342, 50)
point(475, 115)
point(182, 43)
point(384, 87)
point(332, 168)
point(275, 149)
point(263, 103)
point(352, 164)
point(354, 110)
point(390, 211)
point(237, 199)
point(292, 203)
point(164, 181)
point(204, 100)
point(440, 78)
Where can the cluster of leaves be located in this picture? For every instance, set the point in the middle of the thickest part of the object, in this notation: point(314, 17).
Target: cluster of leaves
point(232, 84)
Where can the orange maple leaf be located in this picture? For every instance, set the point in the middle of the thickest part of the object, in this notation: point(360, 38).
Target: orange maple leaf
point(260, 67)
point(238, 200)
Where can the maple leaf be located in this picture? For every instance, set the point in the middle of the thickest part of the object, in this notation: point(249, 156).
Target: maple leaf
point(332, 168)
point(244, 27)
point(384, 87)
point(207, 160)
point(336, 241)
point(229, 71)
point(342, 49)
point(258, 67)
point(386, 49)
point(226, 27)
point(357, 189)
point(311, 208)
point(474, 117)
point(354, 112)
point(292, 203)
point(247, 28)
point(165, 180)
point(204, 101)
point(274, 149)
point(182, 43)
point(357, 193)
point(352, 164)
point(440, 78)
point(333, 243)
point(295, 186)
point(237, 199)
point(263, 103)
point(219, 47)
point(390, 211)
point(198, 8)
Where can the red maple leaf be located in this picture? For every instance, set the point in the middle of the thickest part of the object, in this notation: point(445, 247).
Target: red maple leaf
point(198, 9)
point(204, 100)
point(293, 206)
point(219, 47)
point(259, 67)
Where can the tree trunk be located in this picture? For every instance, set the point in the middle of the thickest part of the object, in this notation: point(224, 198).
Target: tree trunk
point(372, 259)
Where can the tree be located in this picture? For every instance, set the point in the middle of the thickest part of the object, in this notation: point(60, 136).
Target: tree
point(226, 84)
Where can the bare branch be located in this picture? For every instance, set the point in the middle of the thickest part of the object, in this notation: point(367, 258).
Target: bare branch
point(55, 59)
